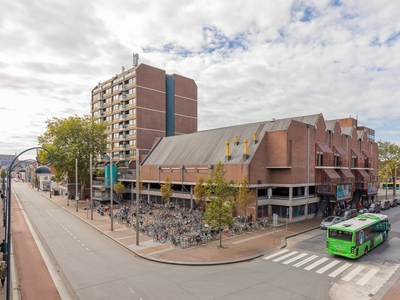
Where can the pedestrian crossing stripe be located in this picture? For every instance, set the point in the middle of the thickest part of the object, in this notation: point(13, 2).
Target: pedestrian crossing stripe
point(286, 257)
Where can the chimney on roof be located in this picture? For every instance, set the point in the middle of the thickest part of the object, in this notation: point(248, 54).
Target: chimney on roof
point(245, 150)
point(254, 139)
point(227, 151)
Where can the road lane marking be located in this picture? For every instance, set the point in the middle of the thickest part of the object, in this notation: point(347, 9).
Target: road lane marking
point(304, 261)
point(340, 270)
point(353, 273)
point(285, 256)
point(275, 254)
point(317, 263)
point(294, 258)
point(367, 277)
point(328, 266)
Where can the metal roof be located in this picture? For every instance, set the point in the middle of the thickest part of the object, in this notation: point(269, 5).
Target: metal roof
point(209, 146)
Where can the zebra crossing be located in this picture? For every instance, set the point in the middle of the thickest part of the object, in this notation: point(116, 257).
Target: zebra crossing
point(324, 265)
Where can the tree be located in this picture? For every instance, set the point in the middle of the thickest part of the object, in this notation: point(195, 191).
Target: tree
point(119, 189)
point(166, 189)
point(221, 193)
point(73, 138)
point(389, 157)
point(200, 192)
point(244, 196)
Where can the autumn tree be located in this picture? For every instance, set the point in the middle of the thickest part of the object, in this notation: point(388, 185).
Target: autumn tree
point(166, 189)
point(73, 138)
point(119, 189)
point(389, 157)
point(221, 193)
point(245, 197)
point(200, 192)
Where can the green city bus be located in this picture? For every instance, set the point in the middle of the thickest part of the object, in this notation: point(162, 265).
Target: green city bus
point(353, 238)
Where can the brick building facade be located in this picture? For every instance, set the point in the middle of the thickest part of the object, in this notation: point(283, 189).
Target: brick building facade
point(297, 167)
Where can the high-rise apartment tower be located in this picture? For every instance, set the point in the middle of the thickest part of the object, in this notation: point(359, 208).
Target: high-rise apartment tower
point(140, 105)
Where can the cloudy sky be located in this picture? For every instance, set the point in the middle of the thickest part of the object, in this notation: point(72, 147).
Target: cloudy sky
point(252, 60)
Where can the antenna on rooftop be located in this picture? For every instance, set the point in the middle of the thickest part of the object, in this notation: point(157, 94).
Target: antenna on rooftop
point(135, 59)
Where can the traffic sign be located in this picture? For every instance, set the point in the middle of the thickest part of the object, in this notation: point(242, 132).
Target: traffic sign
point(76, 198)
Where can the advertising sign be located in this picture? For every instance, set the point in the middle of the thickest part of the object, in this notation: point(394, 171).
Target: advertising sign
point(343, 192)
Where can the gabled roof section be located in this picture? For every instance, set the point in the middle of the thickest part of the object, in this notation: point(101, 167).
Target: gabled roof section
point(360, 134)
point(348, 130)
point(209, 146)
point(330, 124)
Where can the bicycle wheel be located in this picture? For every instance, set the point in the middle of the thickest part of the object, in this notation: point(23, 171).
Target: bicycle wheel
point(155, 237)
point(162, 238)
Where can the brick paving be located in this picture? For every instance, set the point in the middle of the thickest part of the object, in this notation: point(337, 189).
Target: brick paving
point(237, 248)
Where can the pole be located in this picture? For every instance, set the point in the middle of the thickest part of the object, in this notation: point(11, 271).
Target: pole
point(9, 234)
point(395, 179)
point(386, 180)
point(91, 188)
point(111, 190)
point(137, 197)
point(67, 192)
point(76, 183)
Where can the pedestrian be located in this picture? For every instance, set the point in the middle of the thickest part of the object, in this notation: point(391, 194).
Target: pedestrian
point(3, 272)
point(251, 218)
point(3, 247)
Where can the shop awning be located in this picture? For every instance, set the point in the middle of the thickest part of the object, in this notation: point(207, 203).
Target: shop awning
point(340, 150)
point(373, 173)
point(357, 153)
point(363, 173)
point(332, 174)
point(324, 147)
point(366, 153)
point(347, 173)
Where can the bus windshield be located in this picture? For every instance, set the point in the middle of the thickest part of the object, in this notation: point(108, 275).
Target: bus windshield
point(340, 235)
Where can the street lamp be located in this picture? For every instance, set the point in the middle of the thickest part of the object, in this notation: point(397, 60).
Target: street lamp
point(10, 170)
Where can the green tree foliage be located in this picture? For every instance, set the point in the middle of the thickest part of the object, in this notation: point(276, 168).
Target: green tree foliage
point(200, 192)
point(244, 197)
point(166, 189)
point(221, 193)
point(119, 189)
point(389, 157)
point(71, 138)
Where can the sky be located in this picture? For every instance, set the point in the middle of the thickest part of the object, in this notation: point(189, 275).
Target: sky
point(252, 60)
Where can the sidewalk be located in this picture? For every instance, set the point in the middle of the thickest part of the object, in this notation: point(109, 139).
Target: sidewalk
point(234, 249)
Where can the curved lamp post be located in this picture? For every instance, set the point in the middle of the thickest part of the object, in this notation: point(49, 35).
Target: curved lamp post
point(10, 170)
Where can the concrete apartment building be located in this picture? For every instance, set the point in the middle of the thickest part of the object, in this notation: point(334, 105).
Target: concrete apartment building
point(140, 105)
point(297, 167)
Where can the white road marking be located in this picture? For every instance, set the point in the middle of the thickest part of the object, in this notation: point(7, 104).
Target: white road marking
point(353, 273)
point(340, 270)
point(294, 258)
point(367, 277)
point(275, 254)
point(285, 256)
point(328, 266)
point(299, 264)
point(317, 263)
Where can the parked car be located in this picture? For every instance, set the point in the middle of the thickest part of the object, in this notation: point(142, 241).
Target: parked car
point(347, 213)
point(374, 207)
point(330, 221)
point(385, 204)
point(363, 211)
point(393, 202)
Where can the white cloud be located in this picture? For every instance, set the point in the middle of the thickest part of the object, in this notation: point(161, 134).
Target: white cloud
point(260, 59)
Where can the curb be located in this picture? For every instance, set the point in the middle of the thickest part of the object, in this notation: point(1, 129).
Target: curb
point(146, 257)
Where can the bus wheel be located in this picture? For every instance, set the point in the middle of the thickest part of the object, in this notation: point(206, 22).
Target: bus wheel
point(366, 251)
